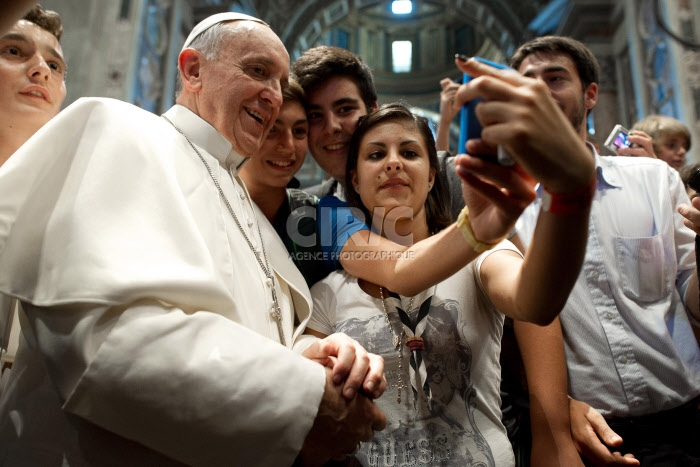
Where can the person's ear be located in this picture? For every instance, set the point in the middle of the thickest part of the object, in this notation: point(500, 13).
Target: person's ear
point(431, 179)
point(591, 95)
point(355, 183)
point(190, 64)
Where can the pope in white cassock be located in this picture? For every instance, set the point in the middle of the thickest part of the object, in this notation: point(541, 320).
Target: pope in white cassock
point(156, 295)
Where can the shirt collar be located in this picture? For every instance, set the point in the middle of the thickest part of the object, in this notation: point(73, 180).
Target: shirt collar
point(205, 136)
point(604, 171)
point(339, 191)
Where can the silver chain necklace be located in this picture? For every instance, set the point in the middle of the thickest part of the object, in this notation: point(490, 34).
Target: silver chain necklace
point(265, 266)
point(397, 341)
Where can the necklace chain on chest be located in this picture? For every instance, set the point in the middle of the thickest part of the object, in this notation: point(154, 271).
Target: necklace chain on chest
point(397, 341)
point(264, 265)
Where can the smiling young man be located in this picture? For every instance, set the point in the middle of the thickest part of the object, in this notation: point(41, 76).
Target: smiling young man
point(339, 90)
point(32, 77)
point(273, 167)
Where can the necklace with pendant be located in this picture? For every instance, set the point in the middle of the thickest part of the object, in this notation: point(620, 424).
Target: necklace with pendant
point(264, 265)
point(397, 341)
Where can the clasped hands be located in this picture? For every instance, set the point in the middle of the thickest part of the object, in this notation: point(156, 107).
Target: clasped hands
point(347, 414)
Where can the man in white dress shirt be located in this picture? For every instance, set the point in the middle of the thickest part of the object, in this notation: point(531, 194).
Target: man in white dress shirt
point(630, 349)
point(162, 314)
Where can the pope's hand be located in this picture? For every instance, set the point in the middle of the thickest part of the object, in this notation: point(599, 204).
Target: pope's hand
point(340, 425)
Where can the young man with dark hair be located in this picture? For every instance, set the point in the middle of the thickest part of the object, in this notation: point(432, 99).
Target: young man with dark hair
point(339, 89)
point(630, 349)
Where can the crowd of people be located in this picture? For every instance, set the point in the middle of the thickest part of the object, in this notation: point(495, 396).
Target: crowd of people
point(175, 298)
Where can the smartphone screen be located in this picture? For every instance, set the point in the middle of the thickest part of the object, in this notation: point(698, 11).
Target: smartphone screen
point(621, 140)
point(617, 139)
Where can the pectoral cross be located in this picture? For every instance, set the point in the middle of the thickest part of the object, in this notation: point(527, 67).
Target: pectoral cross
point(277, 315)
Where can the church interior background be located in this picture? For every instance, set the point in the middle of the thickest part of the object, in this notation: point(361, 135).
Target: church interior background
point(648, 50)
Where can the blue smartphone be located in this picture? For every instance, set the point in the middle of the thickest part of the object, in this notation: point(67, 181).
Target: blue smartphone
point(469, 126)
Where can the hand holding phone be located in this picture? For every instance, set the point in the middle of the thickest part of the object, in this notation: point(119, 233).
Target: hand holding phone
point(469, 126)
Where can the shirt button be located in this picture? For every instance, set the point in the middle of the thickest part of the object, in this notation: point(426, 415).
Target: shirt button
point(608, 315)
point(623, 359)
point(268, 282)
point(250, 223)
point(241, 195)
point(595, 275)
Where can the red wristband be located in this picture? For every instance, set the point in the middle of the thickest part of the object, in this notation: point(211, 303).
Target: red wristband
point(569, 203)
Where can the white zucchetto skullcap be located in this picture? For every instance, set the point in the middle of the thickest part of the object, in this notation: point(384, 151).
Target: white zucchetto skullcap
point(216, 19)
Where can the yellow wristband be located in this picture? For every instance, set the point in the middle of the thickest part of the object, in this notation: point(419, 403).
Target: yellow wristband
point(468, 233)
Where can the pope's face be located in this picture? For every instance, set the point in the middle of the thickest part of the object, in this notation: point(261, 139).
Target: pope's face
point(32, 71)
point(241, 92)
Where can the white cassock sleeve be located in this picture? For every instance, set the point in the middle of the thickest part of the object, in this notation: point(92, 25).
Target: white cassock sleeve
point(140, 332)
point(198, 388)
